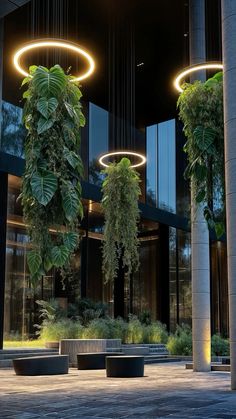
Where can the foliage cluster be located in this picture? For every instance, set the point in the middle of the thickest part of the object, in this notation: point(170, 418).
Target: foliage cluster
point(219, 346)
point(51, 190)
point(57, 323)
point(120, 204)
point(201, 110)
point(180, 343)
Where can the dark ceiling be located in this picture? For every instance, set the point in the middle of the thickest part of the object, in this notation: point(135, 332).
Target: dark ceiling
point(161, 43)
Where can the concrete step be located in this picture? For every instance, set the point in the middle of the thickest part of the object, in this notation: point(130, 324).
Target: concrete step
point(153, 359)
point(25, 354)
point(6, 356)
point(214, 367)
point(25, 350)
point(145, 349)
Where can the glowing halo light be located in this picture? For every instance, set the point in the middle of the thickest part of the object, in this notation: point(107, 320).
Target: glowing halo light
point(193, 69)
point(128, 153)
point(54, 43)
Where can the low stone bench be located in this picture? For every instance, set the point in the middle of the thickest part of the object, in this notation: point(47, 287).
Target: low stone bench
point(42, 365)
point(125, 366)
point(94, 360)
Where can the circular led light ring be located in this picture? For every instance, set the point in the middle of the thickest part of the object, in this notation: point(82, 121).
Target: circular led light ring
point(129, 153)
point(59, 44)
point(192, 69)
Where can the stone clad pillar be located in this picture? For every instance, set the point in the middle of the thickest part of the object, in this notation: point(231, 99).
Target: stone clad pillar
point(229, 62)
point(199, 229)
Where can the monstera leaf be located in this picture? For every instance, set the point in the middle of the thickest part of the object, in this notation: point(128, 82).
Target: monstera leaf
point(73, 159)
point(70, 240)
point(34, 261)
point(59, 255)
point(44, 124)
point(49, 82)
point(204, 138)
point(71, 203)
point(47, 106)
point(43, 186)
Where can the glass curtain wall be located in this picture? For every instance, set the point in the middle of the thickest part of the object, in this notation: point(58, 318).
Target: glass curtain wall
point(20, 309)
point(219, 289)
point(180, 294)
point(98, 141)
point(161, 165)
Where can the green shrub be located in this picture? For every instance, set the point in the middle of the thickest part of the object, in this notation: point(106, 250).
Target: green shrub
point(219, 346)
point(61, 329)
point(97, 329)
point(118, 329)
point(134, 330)
point(87, 310)
point(145, 317)
point(181, 342)
point(155, 333)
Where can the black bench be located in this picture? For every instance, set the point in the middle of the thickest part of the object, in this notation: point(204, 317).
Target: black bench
point(125, 366)
point(94, 360)
point(42, 365)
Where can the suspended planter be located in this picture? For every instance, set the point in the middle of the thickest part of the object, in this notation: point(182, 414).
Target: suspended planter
point(121, 192)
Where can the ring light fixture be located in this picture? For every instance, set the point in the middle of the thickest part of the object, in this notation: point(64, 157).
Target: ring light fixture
point(192, 69)
point(141, 157)
point(69, 46)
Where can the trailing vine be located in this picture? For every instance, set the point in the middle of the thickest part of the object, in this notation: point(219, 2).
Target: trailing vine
point(201, 110)
point(120, 204)
point(51, 189)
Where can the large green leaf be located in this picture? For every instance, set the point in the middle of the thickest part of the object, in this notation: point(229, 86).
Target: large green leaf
point(70, 202)
point(44, 124)
point(59, 255)
point(49, 82)
point(34, 261)
point(219, 229)
point(44, 186)
point(70, 240)
point(204, 137)
point(73, 159)
point(47, 106)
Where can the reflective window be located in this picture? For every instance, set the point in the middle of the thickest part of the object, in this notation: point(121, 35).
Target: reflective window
point(12, 129)
point(20, 308)
point(151, 173)
point(166, 166)
point(98, 141)
point(161, 165)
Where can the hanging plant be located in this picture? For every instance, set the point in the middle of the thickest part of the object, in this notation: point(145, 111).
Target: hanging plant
point(120, 204)
point(51, 189)
point(201, 110)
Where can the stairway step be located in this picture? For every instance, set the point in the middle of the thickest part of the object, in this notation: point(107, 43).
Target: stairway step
point(159, 360)
point(6, 363)
point(7, 356)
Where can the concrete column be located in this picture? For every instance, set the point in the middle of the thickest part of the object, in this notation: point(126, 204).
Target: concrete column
point(199, 229)
point(229, 62)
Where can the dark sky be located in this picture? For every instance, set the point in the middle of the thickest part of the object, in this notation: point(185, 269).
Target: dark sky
point(161, 43)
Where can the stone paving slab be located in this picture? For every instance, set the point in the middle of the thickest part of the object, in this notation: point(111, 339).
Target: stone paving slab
point(166, 391)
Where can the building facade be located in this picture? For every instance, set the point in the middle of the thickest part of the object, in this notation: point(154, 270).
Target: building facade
point(163, 283)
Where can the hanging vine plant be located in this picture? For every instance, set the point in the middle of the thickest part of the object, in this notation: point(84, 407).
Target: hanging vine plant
point(201, 110)
point(120, 204)
point(51, 189)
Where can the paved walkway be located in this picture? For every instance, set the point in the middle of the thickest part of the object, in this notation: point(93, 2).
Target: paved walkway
point(166, 391)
